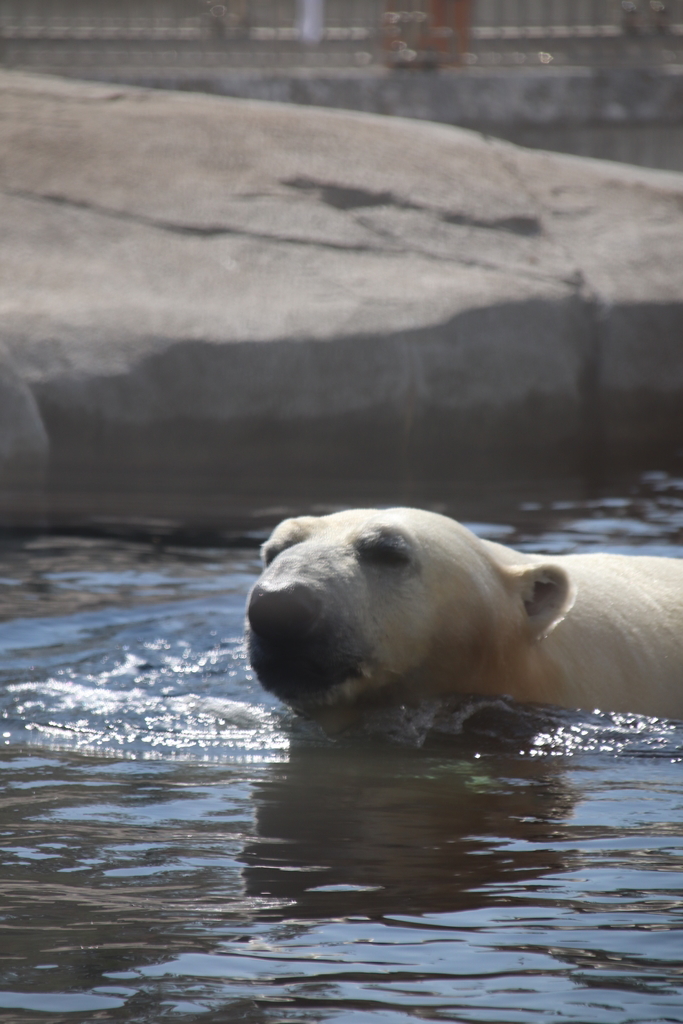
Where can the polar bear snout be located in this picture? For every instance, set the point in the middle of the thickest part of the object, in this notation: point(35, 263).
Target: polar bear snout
point(298, 647)
point(284, 614)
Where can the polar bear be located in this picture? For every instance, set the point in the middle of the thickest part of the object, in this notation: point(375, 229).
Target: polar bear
point(367, 608)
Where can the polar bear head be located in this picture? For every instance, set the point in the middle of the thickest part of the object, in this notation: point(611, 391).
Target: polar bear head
point(369, 607)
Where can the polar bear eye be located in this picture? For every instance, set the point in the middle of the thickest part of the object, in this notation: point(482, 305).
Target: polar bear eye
point(383, 548)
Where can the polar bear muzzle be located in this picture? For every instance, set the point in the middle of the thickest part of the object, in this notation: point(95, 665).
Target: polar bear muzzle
point(298, 651)
point(284, 615)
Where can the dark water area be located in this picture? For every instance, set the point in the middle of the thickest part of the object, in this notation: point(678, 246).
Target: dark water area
point(176, 846)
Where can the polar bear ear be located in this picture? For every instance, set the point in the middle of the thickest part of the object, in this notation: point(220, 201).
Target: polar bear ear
point(286, 535)
point(547, 594)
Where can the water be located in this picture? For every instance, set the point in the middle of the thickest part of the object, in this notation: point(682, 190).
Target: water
point(175, 846)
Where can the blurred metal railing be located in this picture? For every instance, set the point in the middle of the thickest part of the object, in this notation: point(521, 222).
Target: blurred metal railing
point(68, 34)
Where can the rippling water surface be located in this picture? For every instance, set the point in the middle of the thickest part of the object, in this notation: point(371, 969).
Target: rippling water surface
point(175, 846)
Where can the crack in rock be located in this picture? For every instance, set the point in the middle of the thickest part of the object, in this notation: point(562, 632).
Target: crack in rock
point(343, 197)
point(195, 230)
point(394, 246)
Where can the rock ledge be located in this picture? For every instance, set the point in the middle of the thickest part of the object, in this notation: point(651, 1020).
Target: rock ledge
point(216, 306)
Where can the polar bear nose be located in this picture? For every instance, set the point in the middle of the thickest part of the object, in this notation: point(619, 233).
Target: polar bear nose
point(283, 615)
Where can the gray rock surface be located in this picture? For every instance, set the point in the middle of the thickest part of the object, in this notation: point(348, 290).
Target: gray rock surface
point(219, 305)
point(23, 449)
point(631, 114)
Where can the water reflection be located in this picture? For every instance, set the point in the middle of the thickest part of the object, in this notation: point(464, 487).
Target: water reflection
point(376, 831)
point(399, 882)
